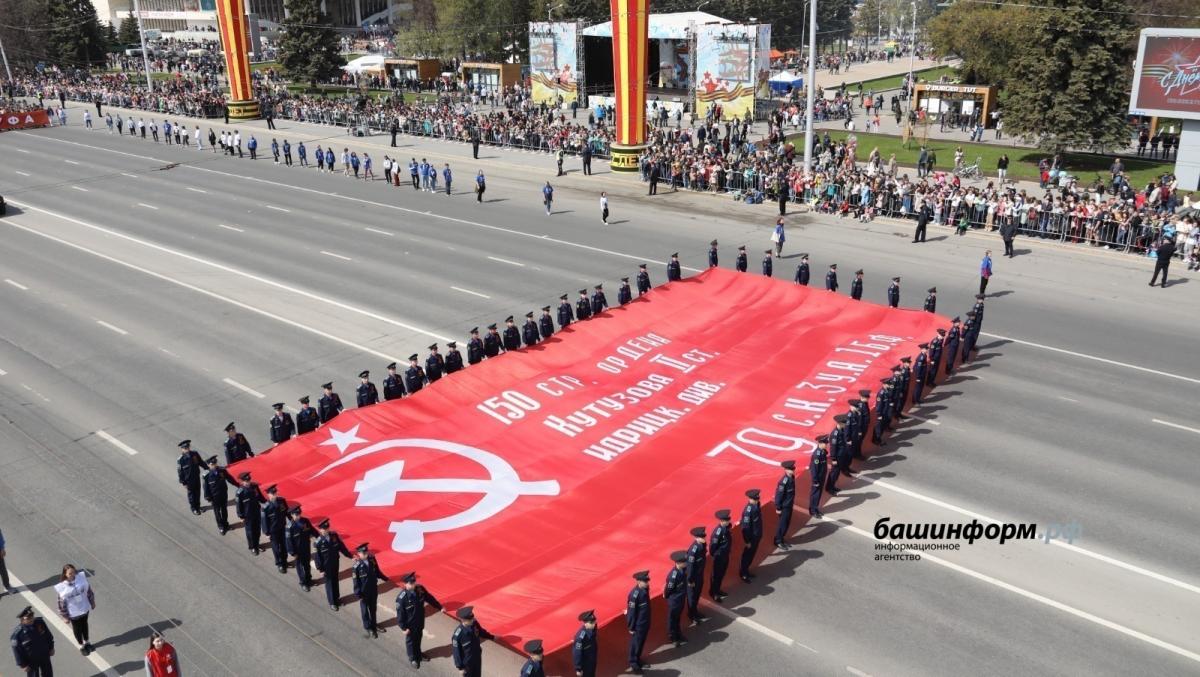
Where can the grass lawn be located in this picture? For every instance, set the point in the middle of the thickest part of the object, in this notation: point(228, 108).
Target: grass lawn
point(894, 81)
point(264, 65)
point(1022, 161)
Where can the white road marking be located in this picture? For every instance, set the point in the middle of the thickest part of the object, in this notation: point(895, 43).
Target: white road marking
point(80, 189)
point(511, 263)
point(472, 293)
point(132, 176)
point(3, 373)
point(1041, 599)
point(336, 256)
point(279, 209)
point(29, 388)
point(70, 162)
point(196, 190)
point(113, 327)
point(51, 616)
point(244, 388)
point(214, 295)
point(922, 419)
point(143, 204)
point(1062, 544)
point(168, 352)
point(218, 266)
point(855, 671)
point(16, 284)
point(1176, 425)
point(116, 443)
point(381, 232)
point(753, 625)
point(21, 150)
point(1095, 358)
point(21, 172)
point(237, 230)
point(1068, 399)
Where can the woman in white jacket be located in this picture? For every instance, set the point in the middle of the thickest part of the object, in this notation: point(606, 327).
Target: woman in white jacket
point(75, 601)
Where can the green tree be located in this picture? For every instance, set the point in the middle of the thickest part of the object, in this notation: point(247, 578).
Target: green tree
point(129, 34)
point(308, 48)
point(1074, 77)
point(112, 40)
point(24, 47)
point(988, 39)
point(75, 38)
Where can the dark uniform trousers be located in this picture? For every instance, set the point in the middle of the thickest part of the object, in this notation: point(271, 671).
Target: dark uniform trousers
point(720, 564)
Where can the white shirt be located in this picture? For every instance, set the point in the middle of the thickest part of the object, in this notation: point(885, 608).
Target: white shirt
point(604, 203)
point(75, 595)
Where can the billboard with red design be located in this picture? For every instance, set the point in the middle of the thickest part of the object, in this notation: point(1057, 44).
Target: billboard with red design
point(1166, 76)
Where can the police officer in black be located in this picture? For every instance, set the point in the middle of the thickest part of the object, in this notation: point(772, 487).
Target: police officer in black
point(414, 376)
point(410, 616)
point(802, 271)
point(697, 555)
point(583, 306)
point(190, 469)
point(237, 448)
point(464, 643)
point(720, 541)
point(565, 315)
point(864, 415)
point(935, 357)
point(330, 404)
point(275, 524)
point(32, 645)
point(307, 419)
point(931, 300)
point(838, 454)
point(978, 308)
point(585, 652)
point(673, 270)
point(300, 533)
point(920, 372)
point(454, 361)
point(216, 492)
point(675, 592)
point(492, 345)
point(366, 392)
point(950, 347)
point(854, 427)
point(327, 548)
point(546, 323)
point(768, 265)
point(474, 347)
point(893, 293)
point(366, 575)
point(624, 292)
point(785, 500)
point(831, 282)
point(905, 382)
point(393, 385)
point(816, 470)
point(599, 300)
point(282, 426)
point(740, 263)
point(643, 279)
point(712, 254)
point(435, 364)
point(512, 336)
point(968, 337)
point(529, 331)
point(249, 510)
point(883, 411)
point(637, 619)
point(533, 665)
point(752, 531)
point(856, 285)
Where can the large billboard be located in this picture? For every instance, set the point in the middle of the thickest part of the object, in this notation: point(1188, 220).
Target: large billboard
point(727, 72)
point(1166, 76)
point(553, 61)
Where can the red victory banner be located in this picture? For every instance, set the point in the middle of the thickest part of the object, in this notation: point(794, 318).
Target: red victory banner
point(23, 120)
point(532, 485)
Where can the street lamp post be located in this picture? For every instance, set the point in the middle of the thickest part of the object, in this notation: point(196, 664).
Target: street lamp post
point(550, 10)
point(810, 86)
point(145, 57)
point(912, 54)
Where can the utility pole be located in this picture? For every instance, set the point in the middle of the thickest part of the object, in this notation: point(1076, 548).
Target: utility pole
point(142, 36)
point(5, 58)
point(912, 54)
point(810, 86)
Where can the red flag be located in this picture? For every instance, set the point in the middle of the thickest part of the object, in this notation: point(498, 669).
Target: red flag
point(533, 485)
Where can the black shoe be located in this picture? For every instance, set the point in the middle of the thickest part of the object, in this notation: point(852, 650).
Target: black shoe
point(635, 670)
point(415, 664)
point(84, 650)
point(785, 546)
point(833, 492)
point(819, 514)
point(256, 551)
point(282, 570)
point(681, 641)
point(333, 607)
point(745, 579)
point(223, 531)
point(195, 512)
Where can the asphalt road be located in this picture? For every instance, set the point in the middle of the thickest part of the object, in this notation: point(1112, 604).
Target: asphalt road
point(155, 293)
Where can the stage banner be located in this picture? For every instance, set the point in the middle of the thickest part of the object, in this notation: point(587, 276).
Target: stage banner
point(532, 485)
point(762, 62)
point(553, 61)
point(725, 68)
point(24, 120)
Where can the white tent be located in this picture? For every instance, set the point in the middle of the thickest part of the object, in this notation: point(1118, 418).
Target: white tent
point(781, 81)
point(370, 62)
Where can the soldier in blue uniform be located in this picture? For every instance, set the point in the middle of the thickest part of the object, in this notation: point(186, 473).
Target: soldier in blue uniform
point(856, 285)
point(492, 345)
point(883, 411)
point(768, 264)
point(968, 336)
point(931, 300)
point(249, 510)
point(237, 448)
point(565, 315)
point(282, 426)
point(897, 385)
point(637, 619)
point(978, 308)
point(785, 500)
point(893, 293)
point(454, 361)
point(410, 616)
point(599, 300)
point(327, 548)
point(673, 270)
point(712, 254)
point(583, 306)
point(585, 652)
point(393, 385)
point(951, 345)
point(533, 665)
point(366, 392)
point(300, 533)
point(474, 347)
point(854, 428)
point(366, 575)
point(546, 323)
point(529, 331)
point(935, 357)
point(275, 524)
point(839, 454)
point(802, 271)
point(32, 645)
point(905, 383)
point(624, 292)
point(414, 376)
point(697, 556)
point(675, 592)
point(464, 643)
point(816, 471)
point(643, 279)
point(831, 283)
point(190, 468)
point(740, 264)
point(307, 419)
point(864, 414)
point(512, 336)
point(434, 364)
point(752, 531)
point(720, 542)
point(330, 404)
point(216, 492)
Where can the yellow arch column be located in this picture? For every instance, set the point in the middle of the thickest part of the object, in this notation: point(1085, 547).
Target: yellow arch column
point(630, 20)
point(231, 21)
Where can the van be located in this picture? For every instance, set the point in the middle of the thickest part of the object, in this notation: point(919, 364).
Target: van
point(133, 52)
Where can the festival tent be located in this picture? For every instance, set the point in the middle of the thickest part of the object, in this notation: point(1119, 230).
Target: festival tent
point(783, 80)
point(369, 63)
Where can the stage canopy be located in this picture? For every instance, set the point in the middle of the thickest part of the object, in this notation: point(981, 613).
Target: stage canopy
point(781, 81)
point(370, 62)
point(533, 485)
point(662, 26)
